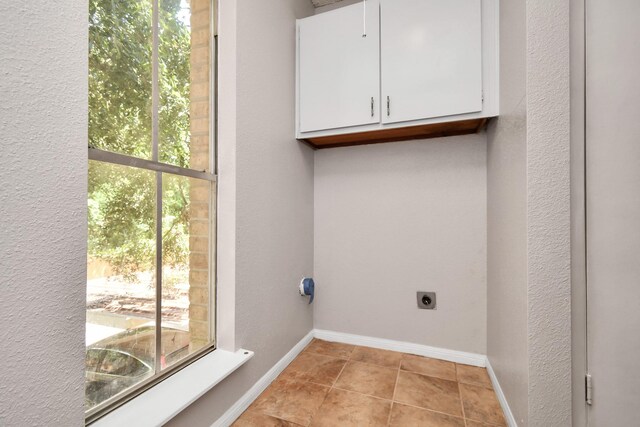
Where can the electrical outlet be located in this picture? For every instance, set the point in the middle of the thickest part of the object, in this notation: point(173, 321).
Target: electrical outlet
point(426, 300)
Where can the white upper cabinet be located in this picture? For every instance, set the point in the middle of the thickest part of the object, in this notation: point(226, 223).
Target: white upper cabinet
point(426, 68)
point(339, 69)
point(431, 56)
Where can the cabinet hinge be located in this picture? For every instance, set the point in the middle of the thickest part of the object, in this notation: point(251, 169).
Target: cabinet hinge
point(483, 96)
point(588, 387)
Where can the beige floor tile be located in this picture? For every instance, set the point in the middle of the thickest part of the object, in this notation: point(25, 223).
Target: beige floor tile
point(408, 416)
point(257, 419)
point(430, 393)
point(346, 409)
point(481, 404)
point(329, 348)
point(427, 366)
point(314, 367)
point(473, 375)
point(386, 358)
point(294, 401)
point(471, 423)
point(368, 379)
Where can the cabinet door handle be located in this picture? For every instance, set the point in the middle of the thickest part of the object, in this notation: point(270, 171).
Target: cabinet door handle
point(372, 106)
point(388, 106)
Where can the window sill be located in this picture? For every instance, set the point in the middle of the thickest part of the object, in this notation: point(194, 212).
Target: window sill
point(159, 404)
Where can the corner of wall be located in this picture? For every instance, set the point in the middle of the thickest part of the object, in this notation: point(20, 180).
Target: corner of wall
point(548, 211)
point(507, 347)
point(265, 210)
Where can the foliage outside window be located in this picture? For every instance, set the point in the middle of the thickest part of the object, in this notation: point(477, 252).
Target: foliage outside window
point(151, 193)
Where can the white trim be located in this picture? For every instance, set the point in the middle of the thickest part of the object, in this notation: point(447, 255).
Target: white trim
point(511, 421)
point(247, 399)
point(462, 357)
point(165, 400)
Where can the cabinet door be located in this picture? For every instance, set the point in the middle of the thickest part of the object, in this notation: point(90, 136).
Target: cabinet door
point(339, 71)
point(431, 58)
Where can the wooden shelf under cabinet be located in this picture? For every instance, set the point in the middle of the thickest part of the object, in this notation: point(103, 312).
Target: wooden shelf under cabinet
point(434, 130)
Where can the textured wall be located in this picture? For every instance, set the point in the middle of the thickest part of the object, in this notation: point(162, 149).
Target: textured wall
point(271, 193)
point(529, 320)
point(320, 3)
point(392, 219)
point(507, 217)
point(578, 216)
point(325, 6)
point(548, 212)
point(43, 199)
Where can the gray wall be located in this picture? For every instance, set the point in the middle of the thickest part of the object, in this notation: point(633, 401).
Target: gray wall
point(271, 192)
point(392, 219)
point(507, 216)
point(337, 5)
point(43, 199)
point(548, 212)
point(578, 214)
point(529, 292)
point(365, 196)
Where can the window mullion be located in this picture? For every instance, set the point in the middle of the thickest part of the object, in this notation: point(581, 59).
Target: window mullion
point(155, 92)
point(136, 162)
point(123, 177)
point(155, 105)
point(158, 351)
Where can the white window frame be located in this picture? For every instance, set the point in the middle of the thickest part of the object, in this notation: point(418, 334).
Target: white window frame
point(159, 398)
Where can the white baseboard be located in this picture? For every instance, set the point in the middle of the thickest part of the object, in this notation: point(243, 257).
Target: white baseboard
point(511, 421)
point(462, 357)
point(247, 399)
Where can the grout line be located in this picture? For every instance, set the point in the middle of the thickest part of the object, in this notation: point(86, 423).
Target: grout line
point(273, 416)
point(486, 423)
point(464, 415)
point(338, 376)
point(331, 387)
point(325, 355)
point(349, 359)
point(393, 396)
point(395, 387)
point(455, 364)
point(363, 394)
point(428, 410)
point(430, 376)
point(398, 402)
point(476, 384)
point(411, 349)
point(372, 364)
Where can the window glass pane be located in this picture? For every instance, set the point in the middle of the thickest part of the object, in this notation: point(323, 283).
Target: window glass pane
point(186, 293)
point(121, 284)
point(120, 45)
point(184, 82)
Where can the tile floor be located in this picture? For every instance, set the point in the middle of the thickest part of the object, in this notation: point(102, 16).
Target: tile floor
point(333, 384)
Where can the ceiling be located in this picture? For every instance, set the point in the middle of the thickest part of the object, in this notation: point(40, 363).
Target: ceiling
point(318, 3)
